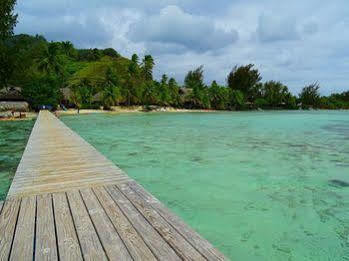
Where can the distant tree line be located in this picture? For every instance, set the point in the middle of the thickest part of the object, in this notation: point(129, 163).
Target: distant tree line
point(57, 73)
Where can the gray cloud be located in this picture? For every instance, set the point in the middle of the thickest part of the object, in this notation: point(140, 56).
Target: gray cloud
point(174, 26)
point(296, 43)
point(84, 30)
point(271, 28)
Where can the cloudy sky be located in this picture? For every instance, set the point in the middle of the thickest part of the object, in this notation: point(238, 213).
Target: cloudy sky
point(297, 43)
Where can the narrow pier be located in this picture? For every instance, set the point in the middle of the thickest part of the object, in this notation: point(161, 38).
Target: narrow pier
point(68, 202)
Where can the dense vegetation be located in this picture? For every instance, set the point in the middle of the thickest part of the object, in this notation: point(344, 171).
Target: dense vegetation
point(57, 73)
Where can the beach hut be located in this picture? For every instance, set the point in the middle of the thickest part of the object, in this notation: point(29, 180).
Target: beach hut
point(11, 99)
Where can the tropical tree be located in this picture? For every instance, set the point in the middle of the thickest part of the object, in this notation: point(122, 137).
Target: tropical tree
point(194, 80)
point(174, 92)
point(150, 94)
point(42, 90)
point(244, 79)
point(275, 93)
point(8, 19)
point(147, 67)
point(164, 91)
point(68, 48)
point(237, 99)
point(111, 52)
point(310, 96)
point(132, 91)
point(111, 91)
point(49, 62)
point(219, 96)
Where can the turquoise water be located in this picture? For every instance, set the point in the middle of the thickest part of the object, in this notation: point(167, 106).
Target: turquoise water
point(13, 139)
point(258, 185)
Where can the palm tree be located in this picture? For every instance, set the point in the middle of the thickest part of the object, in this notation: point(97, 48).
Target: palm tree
point(147, 67)
point(50, 61)
point(111, 93)
point(68, 48)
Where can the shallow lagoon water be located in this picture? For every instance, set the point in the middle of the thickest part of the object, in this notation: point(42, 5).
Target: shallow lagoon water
point(258, 185)
point(13, 139)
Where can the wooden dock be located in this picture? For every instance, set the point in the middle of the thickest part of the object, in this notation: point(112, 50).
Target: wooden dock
point(68, 202)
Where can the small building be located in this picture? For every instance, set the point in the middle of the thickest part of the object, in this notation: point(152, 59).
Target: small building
point(11, 99)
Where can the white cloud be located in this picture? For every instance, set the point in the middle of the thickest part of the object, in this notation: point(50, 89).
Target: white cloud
point(173, 26)
point(296, 42)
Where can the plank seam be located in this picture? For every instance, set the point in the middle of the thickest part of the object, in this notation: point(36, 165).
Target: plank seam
point(93, 224)
point(149, 222)
point(14, 232)
point(2, 206)
point(35, 221)
point(140, 234)
point(76, 232)
point(117, 232)
point(55, 226)
point(178, 231)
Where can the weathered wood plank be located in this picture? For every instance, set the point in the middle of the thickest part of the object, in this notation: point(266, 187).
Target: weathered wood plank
point(135, 244)
point(90, 244)
point(111, 241)
point(174, 239)
point(56, 159)
point(68, 243)
point(8, 218)
point(45, 247)
point(23, 243)
point(192, 236)
point(151, 237)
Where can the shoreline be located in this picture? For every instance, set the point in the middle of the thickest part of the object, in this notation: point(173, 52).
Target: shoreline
point(125, 109)
point(114, 110)
point(118, 110)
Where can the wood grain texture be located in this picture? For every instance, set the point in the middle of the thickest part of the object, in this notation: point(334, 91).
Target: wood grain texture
point(111, 241)
point(45, 247)
point(8, 219)
point(192, 236)
point(135, 244)
point(56, 159)
point(68, 243)
point(88, 238)
point(171, 236)
point(23, 243)
point(151, 237)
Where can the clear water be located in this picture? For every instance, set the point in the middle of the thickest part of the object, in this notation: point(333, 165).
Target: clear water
point(13, 139)
point(255, 184)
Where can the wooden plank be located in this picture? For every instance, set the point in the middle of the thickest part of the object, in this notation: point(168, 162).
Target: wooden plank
point(172, 237)
point(23, 243)
point(68, 243)
point(135, 244)
point(192, 236)
point(151, 237)
point(90, 244)
point(46, 246)
point(8, 218)
point(111, 241)
point(56, 159)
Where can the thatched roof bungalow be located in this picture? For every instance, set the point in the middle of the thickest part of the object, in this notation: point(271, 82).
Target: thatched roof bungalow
point(11, 99)
point(11, 93)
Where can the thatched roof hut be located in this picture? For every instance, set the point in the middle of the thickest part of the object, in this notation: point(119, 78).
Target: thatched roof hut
point(11, 93)
point(185, 91)
point(98, 97)
point(67, 94)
